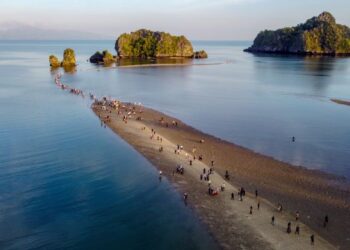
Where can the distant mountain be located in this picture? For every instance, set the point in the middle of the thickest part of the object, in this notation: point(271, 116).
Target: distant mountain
point(20, 31)
point(317, 36)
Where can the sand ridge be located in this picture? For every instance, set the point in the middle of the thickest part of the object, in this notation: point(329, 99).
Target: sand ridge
point(229, 220)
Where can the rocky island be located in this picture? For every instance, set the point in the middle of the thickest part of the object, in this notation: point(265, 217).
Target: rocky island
point(68, 59)
point(319, 35)
point(102, 58)
point(153, 44)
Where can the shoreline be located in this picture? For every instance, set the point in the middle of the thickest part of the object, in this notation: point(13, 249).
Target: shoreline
point(341, 102)
point(312, 193)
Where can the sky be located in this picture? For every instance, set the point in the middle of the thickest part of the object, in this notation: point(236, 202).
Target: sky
point(196, 19)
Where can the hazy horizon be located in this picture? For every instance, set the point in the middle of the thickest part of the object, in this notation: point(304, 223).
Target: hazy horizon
point(226, 20)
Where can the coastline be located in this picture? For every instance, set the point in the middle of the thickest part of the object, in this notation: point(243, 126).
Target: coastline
point(312, 193)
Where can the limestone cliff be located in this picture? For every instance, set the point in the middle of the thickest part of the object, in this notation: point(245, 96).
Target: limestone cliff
point(319, 36)
point(150, 44)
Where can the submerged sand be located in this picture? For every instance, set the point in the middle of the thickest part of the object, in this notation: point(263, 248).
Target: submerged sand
point(314, 194)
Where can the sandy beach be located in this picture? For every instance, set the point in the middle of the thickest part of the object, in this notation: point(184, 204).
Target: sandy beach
point(312, 193)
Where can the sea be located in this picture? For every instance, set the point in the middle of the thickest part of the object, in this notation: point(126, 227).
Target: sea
point(68, 183)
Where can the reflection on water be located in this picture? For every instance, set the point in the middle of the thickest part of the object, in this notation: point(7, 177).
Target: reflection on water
point(68, 183)
point(138, 61)
point(320, 66)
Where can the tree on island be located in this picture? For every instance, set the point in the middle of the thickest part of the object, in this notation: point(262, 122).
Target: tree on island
point(68, 59)
point(152, 44)
point(319, 35)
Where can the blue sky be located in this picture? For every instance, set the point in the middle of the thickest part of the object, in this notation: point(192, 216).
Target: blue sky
point(197, 19)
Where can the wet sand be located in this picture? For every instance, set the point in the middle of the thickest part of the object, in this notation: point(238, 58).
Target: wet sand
point(314, 194)
point(342, 102)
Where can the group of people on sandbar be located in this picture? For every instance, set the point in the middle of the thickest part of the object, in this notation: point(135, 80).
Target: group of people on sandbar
point(74, 91)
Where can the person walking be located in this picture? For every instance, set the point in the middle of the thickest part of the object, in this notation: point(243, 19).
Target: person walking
point(227, 176)
point(251, 210)
point(312, 239)
point(160, 175)
point(273, 220)
point(185, 197)
point(289, 229)
point(232, 196)
point(297, 230)
point(325, 222)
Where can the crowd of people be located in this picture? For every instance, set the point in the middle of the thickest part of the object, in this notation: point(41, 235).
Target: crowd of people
point(74, 91)
point(131, 111)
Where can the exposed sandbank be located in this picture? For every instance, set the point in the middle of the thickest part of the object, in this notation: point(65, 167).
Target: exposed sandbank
point(342, 102)
point(314, 194)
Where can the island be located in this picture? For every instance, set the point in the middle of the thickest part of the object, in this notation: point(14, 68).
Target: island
point(145, 43)
point(102, 58)
point(319, 35)
point(68, 59)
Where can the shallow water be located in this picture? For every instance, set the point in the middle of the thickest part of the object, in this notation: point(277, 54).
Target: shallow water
point(257, 101)
point(67, 182)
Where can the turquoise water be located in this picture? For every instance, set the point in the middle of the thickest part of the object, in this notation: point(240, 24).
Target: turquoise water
point(68, 183)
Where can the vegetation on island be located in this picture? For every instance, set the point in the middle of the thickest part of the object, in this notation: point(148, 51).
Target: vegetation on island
point(68, 59)
point(319, 35)
point(102, 58)
point(54, 62)
point(152, 44)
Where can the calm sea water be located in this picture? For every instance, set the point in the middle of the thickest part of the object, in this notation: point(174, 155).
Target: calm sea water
point(67, 182)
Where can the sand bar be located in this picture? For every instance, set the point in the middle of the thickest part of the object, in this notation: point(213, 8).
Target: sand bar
point(342, 102)
point(314, 194)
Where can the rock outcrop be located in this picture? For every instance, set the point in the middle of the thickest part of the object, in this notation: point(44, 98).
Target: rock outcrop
point(150, 44)
point(317, 36)
point(200, 54)
point(54, 62)
point(102, 58)
point(69, 58)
